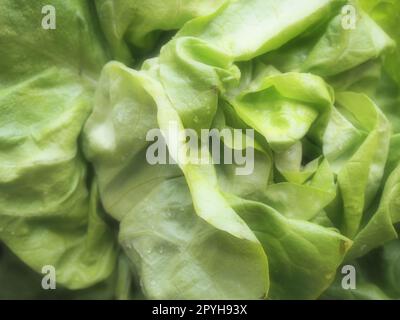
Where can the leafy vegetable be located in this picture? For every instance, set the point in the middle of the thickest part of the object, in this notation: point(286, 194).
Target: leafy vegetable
point(84, 103)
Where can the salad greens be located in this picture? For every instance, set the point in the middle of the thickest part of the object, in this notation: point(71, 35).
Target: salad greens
point(78, 193)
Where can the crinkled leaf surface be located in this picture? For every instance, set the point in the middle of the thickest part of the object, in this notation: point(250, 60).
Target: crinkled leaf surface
point(77, 189)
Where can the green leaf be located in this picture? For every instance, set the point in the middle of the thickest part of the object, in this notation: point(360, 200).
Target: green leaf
point(302, 256)
point(47, 214)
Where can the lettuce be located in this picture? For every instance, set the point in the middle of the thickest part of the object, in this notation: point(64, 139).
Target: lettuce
point(78, 104)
